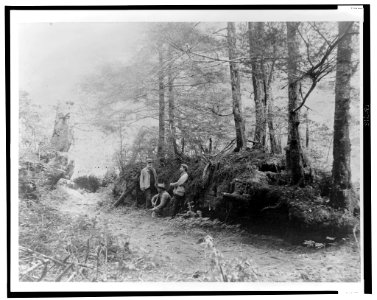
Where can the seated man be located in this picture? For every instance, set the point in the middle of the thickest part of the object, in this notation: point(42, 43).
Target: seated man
point(160, 201)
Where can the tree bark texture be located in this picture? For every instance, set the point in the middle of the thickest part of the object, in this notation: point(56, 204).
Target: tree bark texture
point(294, 151)
point(171, 109)
point(161, 115)
point(236, 88)
point(259, 81)
point(307, 129)
point(275, 146)
point(341, 170)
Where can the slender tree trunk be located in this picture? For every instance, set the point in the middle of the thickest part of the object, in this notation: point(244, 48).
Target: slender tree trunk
point(307, 129)
point(121, 157)
point(258, 79)
point(161, 115)
point(171, 109)
point(236, 88)
point(275, 147)
point(294, 151)
point(341, 170)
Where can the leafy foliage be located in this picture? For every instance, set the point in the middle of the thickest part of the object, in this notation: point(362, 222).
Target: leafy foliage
point(90, 183)
point(34, 136)
point(227, 270)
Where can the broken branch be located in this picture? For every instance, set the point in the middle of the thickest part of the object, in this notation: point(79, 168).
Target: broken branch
point(31, 269)
point(44, 256)
point(57, 279)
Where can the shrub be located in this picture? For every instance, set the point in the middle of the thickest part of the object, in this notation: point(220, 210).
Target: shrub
point(109, 178)
point(90, 183)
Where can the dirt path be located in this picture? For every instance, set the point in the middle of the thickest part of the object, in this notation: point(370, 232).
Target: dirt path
point(178, 252)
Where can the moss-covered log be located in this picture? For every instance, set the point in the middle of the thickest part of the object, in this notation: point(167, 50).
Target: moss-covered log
point(252, 185)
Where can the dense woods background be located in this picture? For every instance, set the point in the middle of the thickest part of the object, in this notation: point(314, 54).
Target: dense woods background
point(191, 89)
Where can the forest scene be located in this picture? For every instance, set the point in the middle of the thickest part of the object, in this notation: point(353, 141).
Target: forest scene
point(189, 152)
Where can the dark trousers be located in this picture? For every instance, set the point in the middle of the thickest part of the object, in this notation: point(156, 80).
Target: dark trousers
point(148, 194)
point(177, 204)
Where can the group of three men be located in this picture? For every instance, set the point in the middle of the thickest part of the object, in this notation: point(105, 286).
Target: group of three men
point(156, 195)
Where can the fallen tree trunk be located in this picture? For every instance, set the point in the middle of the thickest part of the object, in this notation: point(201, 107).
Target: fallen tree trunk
point(245, 198)
point(124, 194)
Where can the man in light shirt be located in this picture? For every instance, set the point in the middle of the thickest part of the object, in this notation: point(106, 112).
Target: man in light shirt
point(179, 190)
point(148, 182)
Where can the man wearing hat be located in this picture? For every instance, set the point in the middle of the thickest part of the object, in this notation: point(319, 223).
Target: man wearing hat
point(148, 182)
point(161, 200)
point(179, 190)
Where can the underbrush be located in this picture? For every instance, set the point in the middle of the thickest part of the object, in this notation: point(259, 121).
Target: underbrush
point(228, 270)
point(90, 183)
point(55, 247)
point(188, 222)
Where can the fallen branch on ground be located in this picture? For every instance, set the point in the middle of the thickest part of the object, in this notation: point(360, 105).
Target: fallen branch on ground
point(43, 255)
point(124, 194)
point(57, 279)
point(72, 276)
point(44, 272)
point(31, 269)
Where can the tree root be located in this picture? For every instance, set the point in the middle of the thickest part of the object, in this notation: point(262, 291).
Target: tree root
point(272, 207)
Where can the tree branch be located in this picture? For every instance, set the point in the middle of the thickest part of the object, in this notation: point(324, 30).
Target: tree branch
point(307, 47)
point(314, 83)
point(320, 70)
point(218, 114)
point(316, 29)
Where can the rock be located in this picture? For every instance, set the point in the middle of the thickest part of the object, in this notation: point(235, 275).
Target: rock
point(67, 183)
point(53, 175)
point(59, 167)
point(70, 169)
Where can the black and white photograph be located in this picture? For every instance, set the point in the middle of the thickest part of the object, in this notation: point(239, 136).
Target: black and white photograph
point(187, 149)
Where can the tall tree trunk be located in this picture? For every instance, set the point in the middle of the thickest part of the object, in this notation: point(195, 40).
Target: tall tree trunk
point(341, 171)
point(182, 134)
point(171, 108)
point(183, 146)
point(307, 129)
point(275, 147)
point(294, 151)
point(236, 88)
point(161, 115)
point(258, 79)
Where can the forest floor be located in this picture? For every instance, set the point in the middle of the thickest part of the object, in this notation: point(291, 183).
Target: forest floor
point(169, 250)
